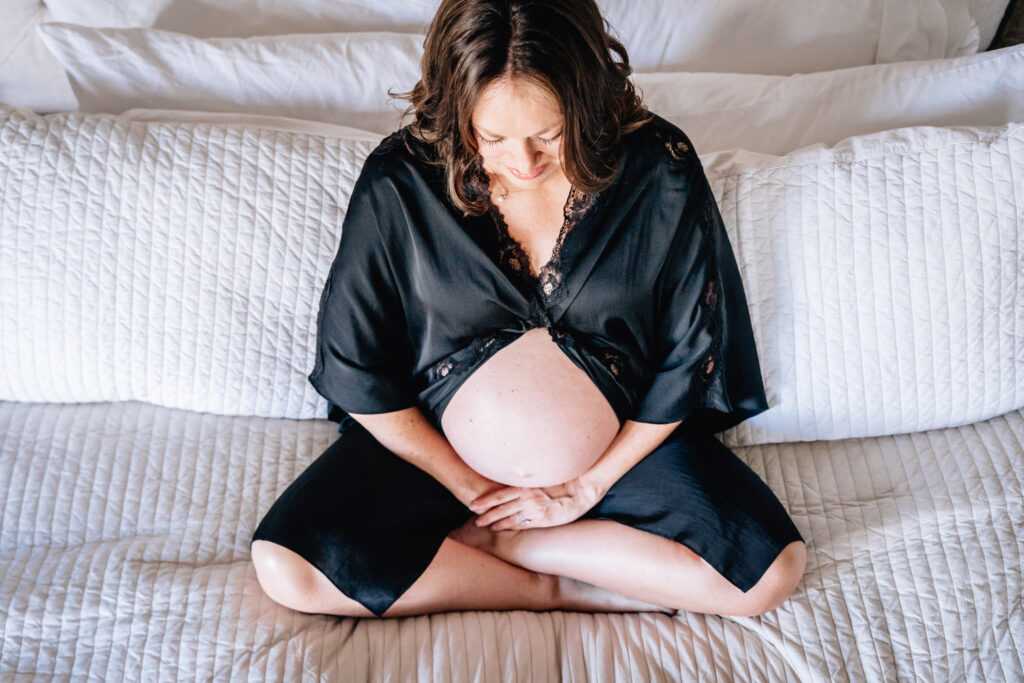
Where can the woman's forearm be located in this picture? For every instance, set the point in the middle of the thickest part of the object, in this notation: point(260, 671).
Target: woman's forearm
point(631, 445)
point(408, 434)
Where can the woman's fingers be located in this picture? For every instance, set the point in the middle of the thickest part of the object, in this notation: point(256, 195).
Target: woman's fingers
point(498, 513)
point(489, 500)
point(509, 523)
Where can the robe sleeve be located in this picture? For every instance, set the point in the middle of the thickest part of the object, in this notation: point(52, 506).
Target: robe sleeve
point(363, 355)
point(704, 370)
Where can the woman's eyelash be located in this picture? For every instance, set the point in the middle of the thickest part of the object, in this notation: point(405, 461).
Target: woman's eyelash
point(544, 140)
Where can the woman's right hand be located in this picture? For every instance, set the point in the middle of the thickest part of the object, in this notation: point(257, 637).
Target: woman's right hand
point(479, 487)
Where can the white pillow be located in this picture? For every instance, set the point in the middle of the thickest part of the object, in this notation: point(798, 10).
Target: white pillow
point(883, 277)
point(331, 78)
point(30, 76)
point(175, 263)
point(337, 78)
point(281, 123)
point(745, 36)
point(778, 114)
point(246, 18)
point(808, 35)
point(181, 263)
point(963, 35)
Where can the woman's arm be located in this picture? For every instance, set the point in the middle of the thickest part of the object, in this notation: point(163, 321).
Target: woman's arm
point(563, 503)
point(408, 434)
point(631, 445)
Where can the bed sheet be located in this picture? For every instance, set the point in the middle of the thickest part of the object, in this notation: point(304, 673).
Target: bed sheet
point(124, 531)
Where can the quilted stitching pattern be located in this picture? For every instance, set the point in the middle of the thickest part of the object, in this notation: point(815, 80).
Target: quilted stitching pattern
point(124, 531)
point(175, 264)
point(884, 278)
point(181, 264)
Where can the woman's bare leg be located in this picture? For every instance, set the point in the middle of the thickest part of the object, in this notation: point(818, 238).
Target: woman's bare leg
point(638, 564)
point(460, 577)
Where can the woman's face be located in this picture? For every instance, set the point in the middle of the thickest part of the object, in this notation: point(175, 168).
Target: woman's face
point(518, 128)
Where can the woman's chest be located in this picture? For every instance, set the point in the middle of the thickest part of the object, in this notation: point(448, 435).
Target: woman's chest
point(530, 233)
point(462, 288)
point(581, 260)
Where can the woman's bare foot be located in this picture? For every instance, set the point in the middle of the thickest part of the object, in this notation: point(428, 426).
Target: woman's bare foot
point(576, 596)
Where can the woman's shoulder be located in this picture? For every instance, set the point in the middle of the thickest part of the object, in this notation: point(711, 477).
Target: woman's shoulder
point(392, 143)
point(400, 155)
point(402, 146)
point(660, 145)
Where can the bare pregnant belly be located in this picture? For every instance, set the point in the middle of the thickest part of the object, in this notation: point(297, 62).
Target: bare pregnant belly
point(529, 416)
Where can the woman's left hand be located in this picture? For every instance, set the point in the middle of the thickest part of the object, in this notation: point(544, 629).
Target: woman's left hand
point(542, 506)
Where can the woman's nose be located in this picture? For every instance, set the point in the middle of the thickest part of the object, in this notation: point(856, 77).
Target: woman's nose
point(525, 158)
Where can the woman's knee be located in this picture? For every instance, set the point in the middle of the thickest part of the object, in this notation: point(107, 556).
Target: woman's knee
point(778, 583)
point(285, 576)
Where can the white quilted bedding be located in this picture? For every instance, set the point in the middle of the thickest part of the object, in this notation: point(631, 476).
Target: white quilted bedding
point(124, 531)
point(182, 263)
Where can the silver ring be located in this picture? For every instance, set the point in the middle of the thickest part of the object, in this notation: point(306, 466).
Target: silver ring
point(522, 518)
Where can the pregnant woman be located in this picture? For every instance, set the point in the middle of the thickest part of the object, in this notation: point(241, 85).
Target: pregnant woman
point(532, 329)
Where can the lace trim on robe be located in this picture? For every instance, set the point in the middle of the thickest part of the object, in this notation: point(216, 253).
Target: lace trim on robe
point(514, 260)
point(511, 255)
point(481, 348)
point(681, 154)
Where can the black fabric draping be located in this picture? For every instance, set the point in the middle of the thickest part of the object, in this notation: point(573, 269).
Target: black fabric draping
point(643, 291)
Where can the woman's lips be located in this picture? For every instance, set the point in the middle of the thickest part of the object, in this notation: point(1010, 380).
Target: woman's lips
point(536, 172)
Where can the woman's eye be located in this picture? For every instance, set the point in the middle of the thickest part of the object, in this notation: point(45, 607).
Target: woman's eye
point(546, 141)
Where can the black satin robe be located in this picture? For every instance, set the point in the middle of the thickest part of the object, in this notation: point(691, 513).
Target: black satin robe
point(643, 292)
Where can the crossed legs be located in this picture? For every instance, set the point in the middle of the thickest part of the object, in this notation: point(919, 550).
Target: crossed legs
point(592, 564)
point(588, 565)
point(460, 577)
point(640, 565)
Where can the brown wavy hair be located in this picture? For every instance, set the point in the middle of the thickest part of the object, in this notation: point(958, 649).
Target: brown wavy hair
point(565, 46)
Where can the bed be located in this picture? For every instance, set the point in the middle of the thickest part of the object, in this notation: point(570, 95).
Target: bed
point(165, 233)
